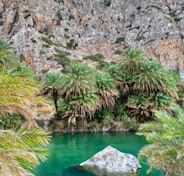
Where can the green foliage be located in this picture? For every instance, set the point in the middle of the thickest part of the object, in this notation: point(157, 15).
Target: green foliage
point(17, 95)
point(97, 57)
point(22, 150)
point(78, 79)
point(161, 101)
point(62, 57)
point(47, 40)
point(52, 79)
point(120, 113)
point(4, 46)
point(128, 122)
point(144, 84)
point(59, 16)
point(181, 92)
point(78, 89)
point(7, 59)
point(120, 40)
point(33, 40)
point(150, 77)
point(140, 107)
point(41, 31)
point(95, 126)
point(21, 70)
point(50, 57)
point(104, 115)
point(166, 150)
point(71, 44)
point(102, 65)
point(118, 52)
point(10, 121)
point(18, 88)
point(106, 89)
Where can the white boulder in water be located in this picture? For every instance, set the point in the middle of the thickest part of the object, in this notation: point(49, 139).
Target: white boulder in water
point(110, 162)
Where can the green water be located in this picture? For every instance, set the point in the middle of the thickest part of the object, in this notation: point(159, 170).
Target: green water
point(67, 150)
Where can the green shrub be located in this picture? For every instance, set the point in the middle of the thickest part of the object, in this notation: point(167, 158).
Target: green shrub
point(49, 57)
point(97, 57)
point(71, 44)
point(118, 52)
point(129, 123)
point(62, 57)
point(120, 39)
point(71, 17)
point(59, 16)
point(102, 64)
point(47, 40)
point(41, 31)
point(95, 126)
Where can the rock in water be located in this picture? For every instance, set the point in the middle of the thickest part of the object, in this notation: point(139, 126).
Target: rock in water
point(111, 162)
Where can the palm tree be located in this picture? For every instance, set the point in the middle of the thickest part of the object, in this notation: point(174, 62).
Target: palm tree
point(146, 76)
point(18, 88)
point(22, 150)
point(78, 79)
point(132, 61)
point(122, 81)
point(52, 84)
point(140, 107)
point(21, 70)
point(140, 78)
point(106, 89)
point(18, 95)
point(78, 90)
point(79, 107)
point(166, 150)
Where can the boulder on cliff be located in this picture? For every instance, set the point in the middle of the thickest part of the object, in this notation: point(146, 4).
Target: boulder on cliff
point(111, 162)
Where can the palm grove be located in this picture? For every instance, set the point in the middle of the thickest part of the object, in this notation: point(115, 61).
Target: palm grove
point(136, 91)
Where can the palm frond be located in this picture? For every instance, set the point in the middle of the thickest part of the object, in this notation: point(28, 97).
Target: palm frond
point(106, 90)
point(78, 79)
point(166, 151)
point(21, 150)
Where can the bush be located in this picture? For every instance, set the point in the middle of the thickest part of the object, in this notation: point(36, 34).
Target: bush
point(71, 44)
point(97, 57)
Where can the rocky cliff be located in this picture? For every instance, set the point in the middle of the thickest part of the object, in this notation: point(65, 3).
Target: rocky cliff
point(39, 29)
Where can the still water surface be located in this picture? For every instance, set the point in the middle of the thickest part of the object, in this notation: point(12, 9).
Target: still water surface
point(67, 150)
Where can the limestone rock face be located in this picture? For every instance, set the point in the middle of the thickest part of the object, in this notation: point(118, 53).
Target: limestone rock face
point(37, 28)
point(110, 161)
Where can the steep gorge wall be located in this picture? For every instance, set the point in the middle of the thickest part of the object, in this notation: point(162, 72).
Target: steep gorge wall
point(157, 27)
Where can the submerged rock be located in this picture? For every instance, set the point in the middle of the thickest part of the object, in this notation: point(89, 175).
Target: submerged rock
point(111, 162)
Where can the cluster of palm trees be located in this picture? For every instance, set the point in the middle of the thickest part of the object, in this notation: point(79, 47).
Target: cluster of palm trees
point(20, 148)
point(136, 82)
point(81, 91)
